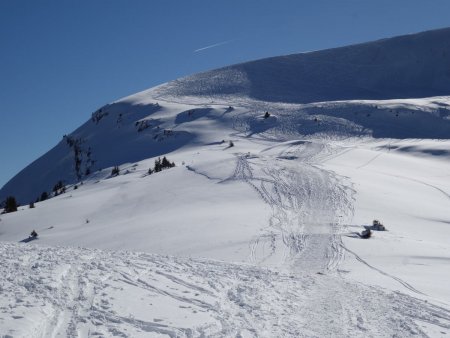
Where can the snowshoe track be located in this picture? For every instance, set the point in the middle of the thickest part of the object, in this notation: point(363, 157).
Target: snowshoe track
point(83, 291)
point(308, 205)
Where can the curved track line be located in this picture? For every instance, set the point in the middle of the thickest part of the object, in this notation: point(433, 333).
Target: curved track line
point(370, 161)
point(402, 282)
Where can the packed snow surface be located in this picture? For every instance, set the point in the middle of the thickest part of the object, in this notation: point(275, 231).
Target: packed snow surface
point(254, 233)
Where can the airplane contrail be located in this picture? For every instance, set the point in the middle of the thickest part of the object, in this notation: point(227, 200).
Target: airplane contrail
point(214, 45)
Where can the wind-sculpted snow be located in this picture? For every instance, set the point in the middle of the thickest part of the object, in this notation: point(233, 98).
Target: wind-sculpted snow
point(402, 67)
point(72, 292)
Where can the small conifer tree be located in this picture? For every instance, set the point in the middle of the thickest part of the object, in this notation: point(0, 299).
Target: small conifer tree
point(158, 165)
point(115, 171)
point(166, 164)
point(44, 196)
point(10, 205)
point(59, 188)
point(161, 165)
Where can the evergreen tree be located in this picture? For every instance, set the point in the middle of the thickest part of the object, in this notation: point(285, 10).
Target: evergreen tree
point(115, 171)
point(166, 164)
point(158, 166)
point(59, 188)
point(161, 165)
point(44, 196)
point(10, 205)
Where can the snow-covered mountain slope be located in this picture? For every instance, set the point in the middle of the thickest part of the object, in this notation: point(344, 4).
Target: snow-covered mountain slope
point(137, 127)
point(140, 127)
point(254, 232)
point(408, 66)
point(288, 211)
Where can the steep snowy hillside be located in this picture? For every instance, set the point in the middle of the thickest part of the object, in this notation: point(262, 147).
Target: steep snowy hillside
point(137, 127)
point(256, 230)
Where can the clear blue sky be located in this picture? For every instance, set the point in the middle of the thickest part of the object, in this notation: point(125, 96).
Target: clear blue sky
point(60, 60)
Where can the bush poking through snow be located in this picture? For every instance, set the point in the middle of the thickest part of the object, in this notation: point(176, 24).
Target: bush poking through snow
point(59, 188)
point(32, 205)
point(166, 164)
point(161, 165)
point(115, 171)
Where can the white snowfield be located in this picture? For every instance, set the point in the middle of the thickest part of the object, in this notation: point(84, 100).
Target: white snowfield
point(56, 291)
point(254, 232)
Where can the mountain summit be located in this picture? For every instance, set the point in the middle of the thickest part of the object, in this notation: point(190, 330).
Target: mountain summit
point(416, 65)
point(147, 124)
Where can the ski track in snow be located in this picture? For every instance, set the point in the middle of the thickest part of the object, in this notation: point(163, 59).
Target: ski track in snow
point(74, 292)
point(447, 195)
point(308, 204)
point(292, 287)
point(309, 207)
point(402, 282)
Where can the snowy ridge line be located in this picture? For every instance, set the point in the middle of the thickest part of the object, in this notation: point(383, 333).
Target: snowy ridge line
point(287, 122)
point(306, 77)
point(402, 282)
